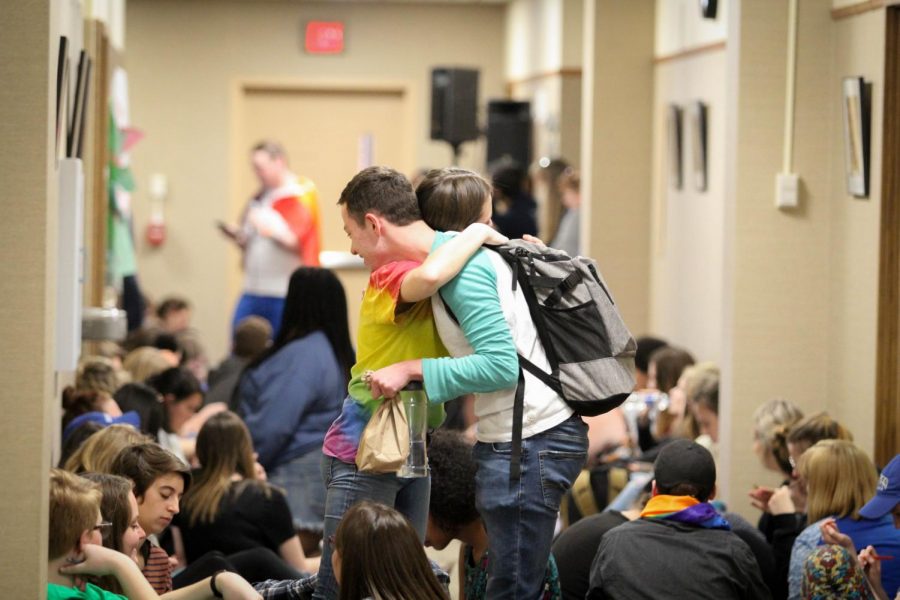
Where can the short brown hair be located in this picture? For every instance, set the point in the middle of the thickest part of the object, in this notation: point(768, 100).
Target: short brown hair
point(147, 462)
point(270, 147)
point(570, 180)
point(251, 337)
point(74, 509)
point(383, 191)
point(840, 479)
point(170, 305)
point(451, 199)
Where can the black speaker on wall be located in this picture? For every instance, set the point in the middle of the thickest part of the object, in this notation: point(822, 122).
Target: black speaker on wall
point(509, 132)
point(454, 104)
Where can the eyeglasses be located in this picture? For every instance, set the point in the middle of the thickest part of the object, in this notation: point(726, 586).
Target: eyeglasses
point(102, 525)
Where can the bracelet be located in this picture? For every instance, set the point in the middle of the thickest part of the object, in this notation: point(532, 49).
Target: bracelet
point(212, 584)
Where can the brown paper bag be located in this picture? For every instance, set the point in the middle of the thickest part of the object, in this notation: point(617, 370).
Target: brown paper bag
point(384, 444)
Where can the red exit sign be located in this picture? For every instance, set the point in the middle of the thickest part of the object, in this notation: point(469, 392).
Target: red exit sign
point(324, 37)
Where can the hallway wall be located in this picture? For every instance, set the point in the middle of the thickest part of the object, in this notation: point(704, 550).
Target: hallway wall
point(184, 59)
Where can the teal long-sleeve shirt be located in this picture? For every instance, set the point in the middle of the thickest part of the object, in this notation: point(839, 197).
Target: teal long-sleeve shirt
point(472, 297)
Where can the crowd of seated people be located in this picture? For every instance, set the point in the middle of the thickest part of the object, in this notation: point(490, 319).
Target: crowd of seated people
point(175, 484)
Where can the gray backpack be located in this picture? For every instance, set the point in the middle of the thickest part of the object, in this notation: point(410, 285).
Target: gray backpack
point(590, 351)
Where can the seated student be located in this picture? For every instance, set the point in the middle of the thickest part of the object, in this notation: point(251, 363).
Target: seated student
point(100, 375)
point(772, 422)
point(840, 478)
point(824, 572)
point(182, 397)
point(81, 402)
point(452, 515)
point(120, 509)
point(575, 547)
point(665, 368)
point(805, 434)
point(228, 508)
point(145, 361)
point(79, 436)
point(377, 554)
point(251, 338)
point(75, 551)
point(160, 480)
point(97, 454)
point(146, 402)
point(680, 545)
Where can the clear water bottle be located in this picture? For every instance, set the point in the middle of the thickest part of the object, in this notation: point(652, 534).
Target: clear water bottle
point(637, 403)
point(415, 402)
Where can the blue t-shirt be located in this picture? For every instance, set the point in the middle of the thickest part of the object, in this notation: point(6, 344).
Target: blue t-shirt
point(881, 534)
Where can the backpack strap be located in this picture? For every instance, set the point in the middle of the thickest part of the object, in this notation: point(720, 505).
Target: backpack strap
point(515, 454)
point(546, 378)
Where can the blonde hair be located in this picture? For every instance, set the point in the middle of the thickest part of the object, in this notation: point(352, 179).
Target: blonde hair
point(840, 479)
point(145, 362)
point(701, 385)
point(97, 454)
point(74, 509)
point(771, 423)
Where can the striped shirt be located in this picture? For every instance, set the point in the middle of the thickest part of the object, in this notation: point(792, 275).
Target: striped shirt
point(157, 569)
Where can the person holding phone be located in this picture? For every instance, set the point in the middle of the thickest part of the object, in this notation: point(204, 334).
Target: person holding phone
point(279, 232)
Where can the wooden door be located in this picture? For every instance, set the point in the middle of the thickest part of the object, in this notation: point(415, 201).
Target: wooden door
point(329, 133)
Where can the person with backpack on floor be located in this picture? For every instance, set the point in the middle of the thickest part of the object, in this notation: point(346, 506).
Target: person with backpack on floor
point(575, 358)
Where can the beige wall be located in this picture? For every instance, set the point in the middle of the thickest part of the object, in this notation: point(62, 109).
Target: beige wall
point(801, 284)
point(183, 59)
point(29, 39)
point(616, 147)
point(859, 44)
point(688, 224)
point(784, 300)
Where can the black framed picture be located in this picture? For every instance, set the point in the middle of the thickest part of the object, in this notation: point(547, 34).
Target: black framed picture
point(62, 96)
point(857, 119)
point(674, 133)
point(699, 137)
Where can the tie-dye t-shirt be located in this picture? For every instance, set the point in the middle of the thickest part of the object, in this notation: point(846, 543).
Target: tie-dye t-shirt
point(389, 333)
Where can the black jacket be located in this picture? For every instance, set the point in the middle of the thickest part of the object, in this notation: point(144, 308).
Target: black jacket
point(656, 558)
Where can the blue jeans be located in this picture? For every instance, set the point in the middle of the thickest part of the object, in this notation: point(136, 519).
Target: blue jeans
point(269, 308)
point(347, 486)
point(301, 478)
point(520, 516)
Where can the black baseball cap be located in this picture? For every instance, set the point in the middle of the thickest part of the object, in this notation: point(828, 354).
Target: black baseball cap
point(685, 462)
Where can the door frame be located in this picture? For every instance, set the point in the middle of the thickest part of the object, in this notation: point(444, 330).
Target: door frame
point(887, 379)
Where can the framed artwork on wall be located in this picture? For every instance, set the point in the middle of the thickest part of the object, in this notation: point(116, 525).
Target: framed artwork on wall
point(674, 133)
point(857, 117)
point(699, 153)
point(62, 97)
